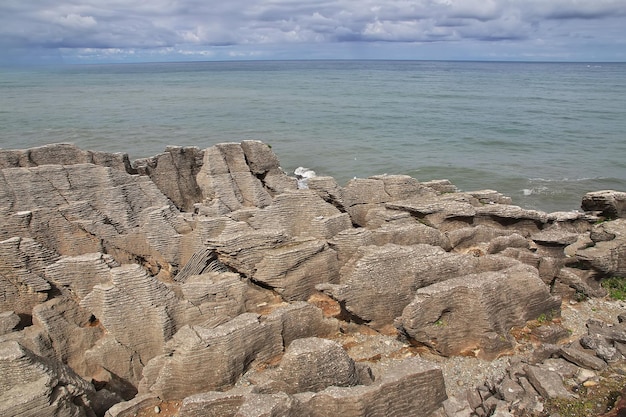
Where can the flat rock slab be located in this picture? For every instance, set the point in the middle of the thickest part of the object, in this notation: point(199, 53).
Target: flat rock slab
point(547, 383)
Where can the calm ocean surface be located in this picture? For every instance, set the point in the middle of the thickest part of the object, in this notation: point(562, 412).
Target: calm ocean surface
point(542, 133)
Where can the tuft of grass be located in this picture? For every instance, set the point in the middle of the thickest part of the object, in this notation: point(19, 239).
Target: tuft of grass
point(616, 286)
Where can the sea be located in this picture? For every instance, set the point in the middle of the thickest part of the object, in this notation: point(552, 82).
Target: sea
point(542, 133)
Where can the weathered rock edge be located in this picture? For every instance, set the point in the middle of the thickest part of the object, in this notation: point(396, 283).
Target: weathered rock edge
point(214, 278)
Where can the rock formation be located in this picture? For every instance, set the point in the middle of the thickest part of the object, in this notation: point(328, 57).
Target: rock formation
point(212, 280)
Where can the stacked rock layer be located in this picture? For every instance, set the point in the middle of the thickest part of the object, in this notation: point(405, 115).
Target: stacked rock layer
point(212, 278)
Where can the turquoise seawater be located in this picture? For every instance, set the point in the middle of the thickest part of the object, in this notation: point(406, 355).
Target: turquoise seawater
point(542, 133)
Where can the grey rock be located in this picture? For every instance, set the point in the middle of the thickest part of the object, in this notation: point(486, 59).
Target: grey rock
point(581, 281)
point(22, 282)
point(328, 189)
point(513, 240)
point(603, 349)
point(555, 236)
point(378, 282)
point(582, 359)
point(474, 399)
point(413, 384)
point(457, 407)
point(608, 256)
point(84, 208)
point(301, 320)
point(311, 364)
point(441, 186)
point(131, 407)
point(478, 236)
point(293, 270)
point(609, 203)
point(35, 386)
point(226, 182)
point(63, 154)
point(565, 369)
point(212, 404)
point(612, 333)
point(271, 405)
point(473, 313)
point(302, 213)
point(547, 383)
point(510, 390)
point(437, 210)
point(131, 292)
point(8, 322)
point(174, 173)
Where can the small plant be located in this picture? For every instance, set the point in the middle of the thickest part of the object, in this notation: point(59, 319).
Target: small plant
point(616, 286)
point(440, 323)
point(580, 296)
point(543, 318)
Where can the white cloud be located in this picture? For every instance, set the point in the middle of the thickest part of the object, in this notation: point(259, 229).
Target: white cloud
point(193, 25)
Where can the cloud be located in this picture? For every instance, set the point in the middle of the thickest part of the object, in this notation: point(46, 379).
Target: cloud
point(187, 27)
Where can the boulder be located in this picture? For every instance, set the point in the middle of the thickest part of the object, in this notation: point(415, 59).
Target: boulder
point(137, 309)
point(525, 222)
point(311, 364)
point(85, 208)
point(35, 386)
point(379, 281)
point(294, 269)
point(213, 404)
point(79, 274)
point(298, 320)
point(22, 282)
point(548, 384)
point(68, 330)
point(241, 248)
point(412, 385)
point(301, 213)
point(226, 182)
point(132, 407)
point(328, 189)
point(271, 405)
point(264, 164)
point(118, 367)
point(610, 204)
point(474, 312)
point(437, 210)
point(607, 255)
point(174, 173)
point(8, 322)
point(581, 358)
point(199, 359)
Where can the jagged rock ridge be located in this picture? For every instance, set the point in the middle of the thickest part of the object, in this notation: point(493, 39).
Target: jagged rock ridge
point(209, 276)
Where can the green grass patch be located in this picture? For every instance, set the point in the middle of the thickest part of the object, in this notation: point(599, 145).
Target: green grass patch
point(616, 286)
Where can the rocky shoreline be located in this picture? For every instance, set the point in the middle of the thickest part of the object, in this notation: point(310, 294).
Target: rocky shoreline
point(209, 282)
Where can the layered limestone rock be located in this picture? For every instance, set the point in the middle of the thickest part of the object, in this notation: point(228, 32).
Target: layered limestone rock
point(413, 385)
point(197, 271)
point(474, 313)
point(36, 386)
point(380, 281)
point(84, 208)
point(203, 359)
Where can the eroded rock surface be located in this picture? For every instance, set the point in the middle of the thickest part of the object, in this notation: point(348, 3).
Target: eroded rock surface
point(208, 279)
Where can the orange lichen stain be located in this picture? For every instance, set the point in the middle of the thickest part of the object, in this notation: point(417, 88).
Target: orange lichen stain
point(329, 307)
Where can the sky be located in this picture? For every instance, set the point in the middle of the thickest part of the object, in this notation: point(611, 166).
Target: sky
point(110, 31)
